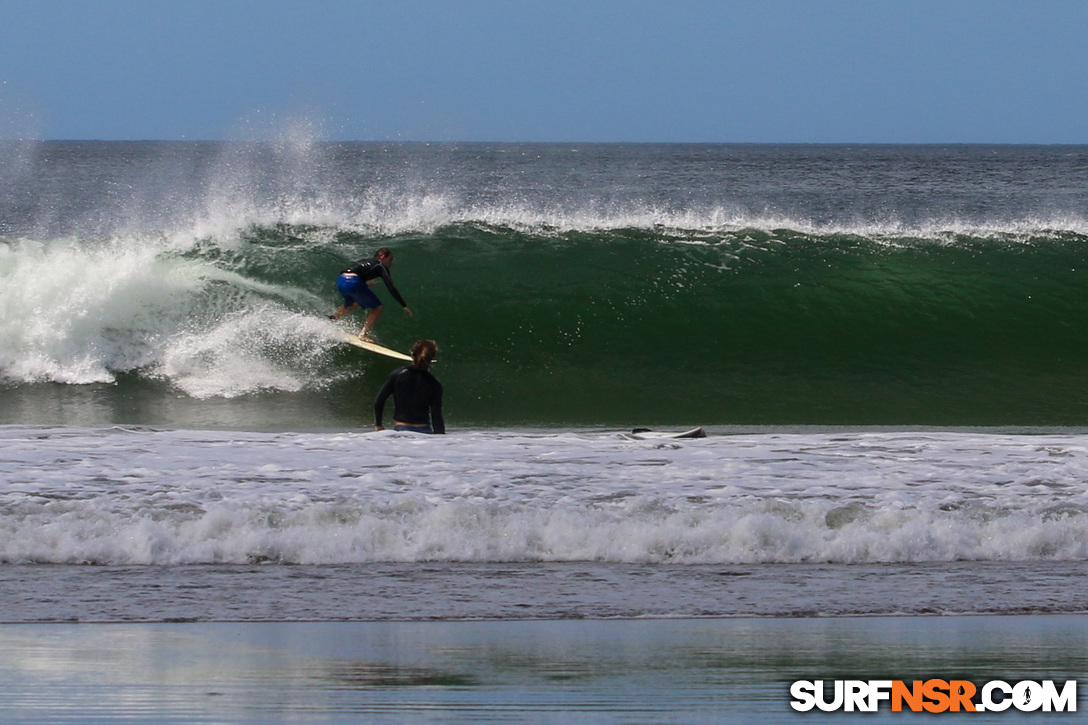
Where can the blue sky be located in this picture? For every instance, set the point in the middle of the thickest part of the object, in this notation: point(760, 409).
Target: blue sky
point(834, 71)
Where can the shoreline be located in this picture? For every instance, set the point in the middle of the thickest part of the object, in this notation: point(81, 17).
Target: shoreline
point(665, 671)
point(576, 591)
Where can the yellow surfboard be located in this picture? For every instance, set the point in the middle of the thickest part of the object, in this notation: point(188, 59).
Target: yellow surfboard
point(374, 347)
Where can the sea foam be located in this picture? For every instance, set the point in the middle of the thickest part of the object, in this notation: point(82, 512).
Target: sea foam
point(121, 496)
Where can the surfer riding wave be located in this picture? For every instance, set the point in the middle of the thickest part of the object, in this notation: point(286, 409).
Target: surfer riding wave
point(354, 284)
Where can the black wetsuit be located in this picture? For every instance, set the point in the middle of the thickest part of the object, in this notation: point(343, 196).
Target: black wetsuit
point(372, 268)
point(417, 398)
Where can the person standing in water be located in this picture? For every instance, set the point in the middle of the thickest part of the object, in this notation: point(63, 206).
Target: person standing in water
point(417, 394)
point(354, 284)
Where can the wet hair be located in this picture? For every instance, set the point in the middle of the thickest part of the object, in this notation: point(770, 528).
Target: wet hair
point(423, 354)
point(383, 252)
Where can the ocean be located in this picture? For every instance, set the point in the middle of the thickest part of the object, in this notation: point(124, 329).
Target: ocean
point(885, 344)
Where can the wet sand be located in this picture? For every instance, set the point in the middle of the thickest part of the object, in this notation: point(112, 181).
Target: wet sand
point(647, 670)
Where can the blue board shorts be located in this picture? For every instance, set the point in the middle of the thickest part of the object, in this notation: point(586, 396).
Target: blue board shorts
point(356, 291)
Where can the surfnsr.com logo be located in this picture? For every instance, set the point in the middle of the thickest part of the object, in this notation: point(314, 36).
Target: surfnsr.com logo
point(934, 696)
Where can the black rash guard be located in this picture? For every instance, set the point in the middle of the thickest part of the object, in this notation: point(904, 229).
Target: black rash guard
point(416, 395)
point(371, 268)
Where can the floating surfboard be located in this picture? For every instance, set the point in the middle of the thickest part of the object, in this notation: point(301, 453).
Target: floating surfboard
point(645, 433)
point(374, 347)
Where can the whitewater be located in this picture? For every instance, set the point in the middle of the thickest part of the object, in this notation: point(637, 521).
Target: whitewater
point(857, 520)
point(139, 496)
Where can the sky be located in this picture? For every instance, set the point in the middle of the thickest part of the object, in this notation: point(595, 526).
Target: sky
point(733, 71)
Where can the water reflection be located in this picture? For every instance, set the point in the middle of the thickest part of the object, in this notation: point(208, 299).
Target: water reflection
point(607, 671)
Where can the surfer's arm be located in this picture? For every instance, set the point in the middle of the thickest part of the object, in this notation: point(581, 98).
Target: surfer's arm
point(379, 402)
point(438, 423)
point(393, 289)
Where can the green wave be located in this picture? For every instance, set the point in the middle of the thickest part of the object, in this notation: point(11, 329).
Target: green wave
point(542, 325)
